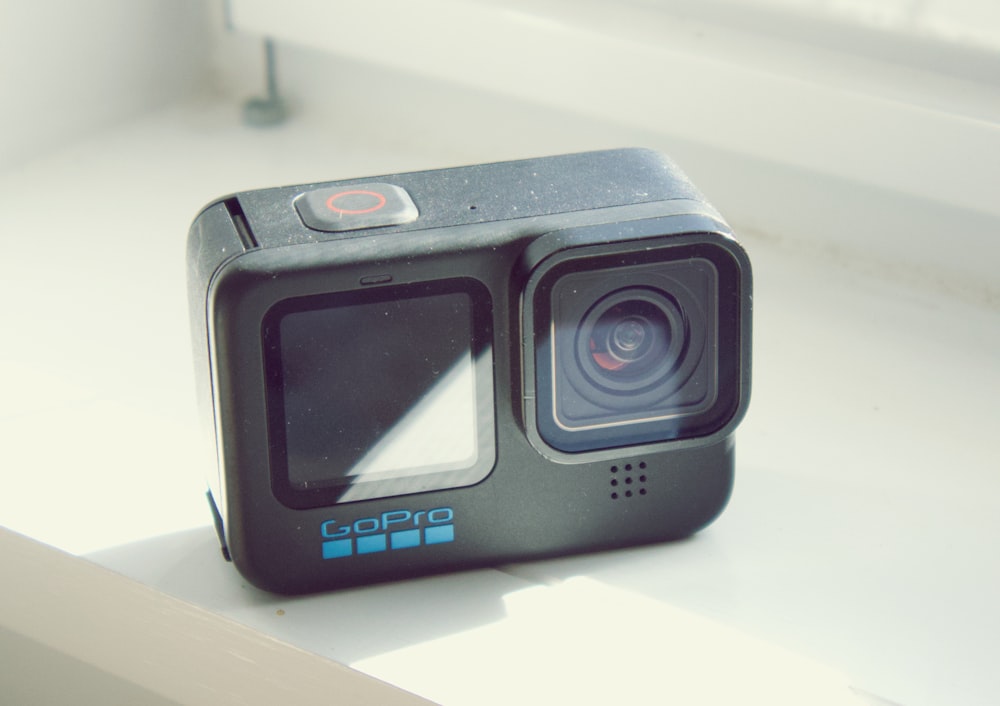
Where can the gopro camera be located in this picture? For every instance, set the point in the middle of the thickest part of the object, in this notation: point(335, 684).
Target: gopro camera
point(466, 367)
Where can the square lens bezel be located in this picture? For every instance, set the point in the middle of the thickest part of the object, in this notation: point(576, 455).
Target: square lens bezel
point(722, 351)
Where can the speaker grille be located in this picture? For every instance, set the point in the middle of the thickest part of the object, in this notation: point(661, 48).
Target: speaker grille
point(628, 480)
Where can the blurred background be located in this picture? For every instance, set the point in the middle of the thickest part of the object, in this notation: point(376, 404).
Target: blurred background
point(854, 146)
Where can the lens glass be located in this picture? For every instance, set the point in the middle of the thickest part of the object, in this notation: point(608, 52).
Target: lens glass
point(627, 339)
point(630, 339)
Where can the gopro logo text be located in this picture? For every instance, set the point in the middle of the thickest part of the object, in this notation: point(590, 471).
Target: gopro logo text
point(391, 530)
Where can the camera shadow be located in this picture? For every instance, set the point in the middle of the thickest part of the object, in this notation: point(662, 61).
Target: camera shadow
point(562, 623)
point(348, 625)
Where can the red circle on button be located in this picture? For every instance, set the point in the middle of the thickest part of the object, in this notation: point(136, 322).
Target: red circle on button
point(352, 211)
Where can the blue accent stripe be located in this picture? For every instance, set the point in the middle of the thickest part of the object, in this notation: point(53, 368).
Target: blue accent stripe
point(337, 548)
point(384, 541)
point(405, 539)
point(371, 543)
point(439, 534)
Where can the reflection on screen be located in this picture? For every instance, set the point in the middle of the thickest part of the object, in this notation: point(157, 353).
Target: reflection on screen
point(378, 390)
point(437, 431)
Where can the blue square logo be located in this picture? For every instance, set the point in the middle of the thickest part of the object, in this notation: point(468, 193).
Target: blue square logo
point(337, 548)
point(439, 534)
point(371, 543)
point(405, 539)
point(387, 532)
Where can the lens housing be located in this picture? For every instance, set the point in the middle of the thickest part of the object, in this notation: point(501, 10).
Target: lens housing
point(637, 347)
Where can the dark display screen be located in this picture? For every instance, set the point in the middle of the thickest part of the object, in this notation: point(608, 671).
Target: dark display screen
point(379, 393)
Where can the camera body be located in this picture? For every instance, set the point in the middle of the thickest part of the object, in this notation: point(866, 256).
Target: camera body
point(465, 367)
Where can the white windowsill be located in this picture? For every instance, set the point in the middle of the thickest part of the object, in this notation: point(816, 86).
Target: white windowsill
point(856, 550)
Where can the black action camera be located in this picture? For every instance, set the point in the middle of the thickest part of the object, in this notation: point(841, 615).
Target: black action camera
point(450, 369)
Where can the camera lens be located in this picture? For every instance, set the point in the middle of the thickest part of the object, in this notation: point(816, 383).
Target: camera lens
point(634, 347)
point(630, 340)
point(628, 337)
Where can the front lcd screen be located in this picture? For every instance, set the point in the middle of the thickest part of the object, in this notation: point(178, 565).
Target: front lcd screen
point(378, 393)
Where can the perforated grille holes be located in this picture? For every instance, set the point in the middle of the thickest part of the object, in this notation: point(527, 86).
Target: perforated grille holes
point(628, 480)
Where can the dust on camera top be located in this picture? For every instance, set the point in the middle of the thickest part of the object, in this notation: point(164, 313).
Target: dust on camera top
point(476, 194)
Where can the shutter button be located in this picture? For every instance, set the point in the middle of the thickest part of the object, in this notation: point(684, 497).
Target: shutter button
point(355, 207)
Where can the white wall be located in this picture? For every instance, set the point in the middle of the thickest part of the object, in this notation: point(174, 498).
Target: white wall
point(70, 68)
point(865, 137)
